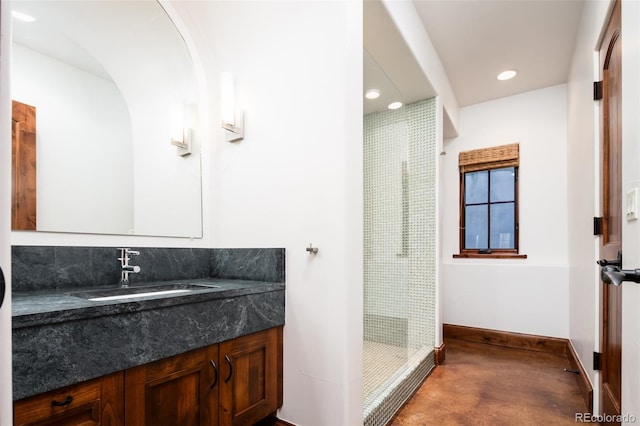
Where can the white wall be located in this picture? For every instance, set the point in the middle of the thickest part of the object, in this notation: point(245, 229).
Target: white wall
point(296, 179)
point(583, 194)
point(529, 295)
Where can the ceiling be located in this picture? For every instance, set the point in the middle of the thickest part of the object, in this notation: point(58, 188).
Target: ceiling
point(475, 40)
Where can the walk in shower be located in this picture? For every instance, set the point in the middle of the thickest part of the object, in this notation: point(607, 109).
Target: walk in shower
point(400, 255)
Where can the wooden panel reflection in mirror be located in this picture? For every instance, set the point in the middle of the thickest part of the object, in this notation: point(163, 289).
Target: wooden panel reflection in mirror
point(23, 166)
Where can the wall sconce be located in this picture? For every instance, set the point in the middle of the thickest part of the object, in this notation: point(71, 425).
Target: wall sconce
point(232, 120)
point(181, 136)
point(184, 144)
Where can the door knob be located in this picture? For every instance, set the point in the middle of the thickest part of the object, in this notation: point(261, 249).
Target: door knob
point(616, 276)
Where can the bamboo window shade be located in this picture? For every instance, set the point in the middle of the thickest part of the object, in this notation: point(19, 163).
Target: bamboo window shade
point(489, 158)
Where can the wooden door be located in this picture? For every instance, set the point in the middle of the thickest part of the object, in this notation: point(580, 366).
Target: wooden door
point(23, 166)
point(249, 378)
point(180, 390)
point(611, 241)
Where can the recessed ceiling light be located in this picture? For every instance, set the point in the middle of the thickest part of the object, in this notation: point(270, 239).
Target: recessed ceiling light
point(372, 94)
point(507, 75)
point(394, 105)
point(22, 16)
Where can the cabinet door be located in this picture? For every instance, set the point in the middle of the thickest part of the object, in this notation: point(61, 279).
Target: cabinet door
point(249, 378)
point(181, 390)
point(95, 402)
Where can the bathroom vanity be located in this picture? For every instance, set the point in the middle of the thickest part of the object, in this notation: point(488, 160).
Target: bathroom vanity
point(237, 382)
point(185, 351)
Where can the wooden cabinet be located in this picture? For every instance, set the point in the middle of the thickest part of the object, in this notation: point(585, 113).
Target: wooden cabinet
point(249, 388)
point(95, 402)
point(237, 382)
point(181, 390)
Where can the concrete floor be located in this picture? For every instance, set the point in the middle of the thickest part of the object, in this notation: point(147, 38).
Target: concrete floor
point(481, 384)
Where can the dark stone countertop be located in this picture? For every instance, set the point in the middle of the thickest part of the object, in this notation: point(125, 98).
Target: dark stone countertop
point(34, 308)
point(61, 339)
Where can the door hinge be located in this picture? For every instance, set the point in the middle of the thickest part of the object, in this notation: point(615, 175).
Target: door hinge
point(597, 361)
point(597, 226)
point(597, 90)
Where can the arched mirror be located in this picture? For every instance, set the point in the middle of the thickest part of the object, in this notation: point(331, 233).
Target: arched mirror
point(111, 84)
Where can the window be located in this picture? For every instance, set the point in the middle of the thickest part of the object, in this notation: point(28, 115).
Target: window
point(489, 202)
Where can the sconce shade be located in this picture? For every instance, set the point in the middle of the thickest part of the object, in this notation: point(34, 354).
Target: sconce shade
point(180, 133)
point(227, 99)
point(232, 120)
point(184, 145)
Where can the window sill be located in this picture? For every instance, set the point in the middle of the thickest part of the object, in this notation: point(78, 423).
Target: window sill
point(490, 256)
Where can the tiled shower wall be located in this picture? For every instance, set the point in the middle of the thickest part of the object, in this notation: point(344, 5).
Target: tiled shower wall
point(400, 209)
point(400, 242)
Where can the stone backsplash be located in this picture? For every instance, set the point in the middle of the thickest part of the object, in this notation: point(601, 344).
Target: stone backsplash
point(65, 267)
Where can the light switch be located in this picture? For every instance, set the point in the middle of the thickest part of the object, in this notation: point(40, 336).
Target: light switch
point(632, 205)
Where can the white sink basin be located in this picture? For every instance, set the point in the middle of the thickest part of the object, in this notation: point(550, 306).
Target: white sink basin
point(130, 296)
point(124, 293)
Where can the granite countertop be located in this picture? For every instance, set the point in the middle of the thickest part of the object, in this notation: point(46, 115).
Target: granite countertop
point(36, 308)
point(60, 337)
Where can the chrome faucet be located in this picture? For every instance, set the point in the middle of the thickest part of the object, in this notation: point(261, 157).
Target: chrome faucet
point(126, 268)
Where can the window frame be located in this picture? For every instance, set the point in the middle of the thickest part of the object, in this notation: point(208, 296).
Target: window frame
point(486, 160)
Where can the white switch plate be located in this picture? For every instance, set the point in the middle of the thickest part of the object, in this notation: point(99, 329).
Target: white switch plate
point(632, 205)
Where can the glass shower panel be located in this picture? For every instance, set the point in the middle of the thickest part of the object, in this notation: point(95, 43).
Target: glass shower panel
point(399, 270)
point(386, 270)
